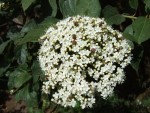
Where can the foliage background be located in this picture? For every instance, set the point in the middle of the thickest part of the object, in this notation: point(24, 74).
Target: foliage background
point(22, 22)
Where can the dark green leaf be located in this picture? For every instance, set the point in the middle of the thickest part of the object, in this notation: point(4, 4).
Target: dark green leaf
point(39, 111)
point(24, 54)
point(112, 15)
point(34, 34)
point(26, 3)
point(18, 77)
point(146, 101)
point(30, 110)
point(133, 4)
point(18, 37)
point(22, 93)
point(54, 7)
point(80, 7)
point(36, 86)
point(15, 36)
point(3, 69)
point(36, 71)
point(128, 33)
point(3, 46)
point(29, 97)
point(21, 54)
point(137, 59)
point(33, 110)
point(29, 26)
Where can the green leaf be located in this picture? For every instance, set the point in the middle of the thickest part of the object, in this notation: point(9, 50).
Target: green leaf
point(141, 27)
point(112, 15)
point(128, 33)
point(3, 46)
point(36, 71)
point(31, 36)
point(15, 36)
point(22, 93)
point(39, 111)
point(80, 7)
point(88, 8)
point(138, 31)
point(147, 5)
point(33, 110)
point(146, 101)
point(18, 37)
point(21, 54)
point(133, 4)
point(18, 77)
point(54, 7)
point(29, 97)
point(3, 69)
point(138, 54)
point(34, 34)
point(29, 26)
point(26, 4)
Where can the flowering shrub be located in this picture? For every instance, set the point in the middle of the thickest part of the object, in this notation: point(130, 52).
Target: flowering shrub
point(81, 56)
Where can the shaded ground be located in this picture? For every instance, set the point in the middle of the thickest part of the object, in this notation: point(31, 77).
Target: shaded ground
point(11, 106)
point(8, 103)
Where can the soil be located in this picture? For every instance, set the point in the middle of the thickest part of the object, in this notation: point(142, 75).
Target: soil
point(8, 103)
point(11, 106)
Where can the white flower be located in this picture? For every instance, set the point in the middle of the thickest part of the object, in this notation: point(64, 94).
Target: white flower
point(80, 56)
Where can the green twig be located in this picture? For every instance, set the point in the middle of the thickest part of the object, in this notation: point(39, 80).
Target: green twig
point(130, 17)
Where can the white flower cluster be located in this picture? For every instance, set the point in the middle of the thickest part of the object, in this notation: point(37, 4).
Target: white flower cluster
point(81, 56)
